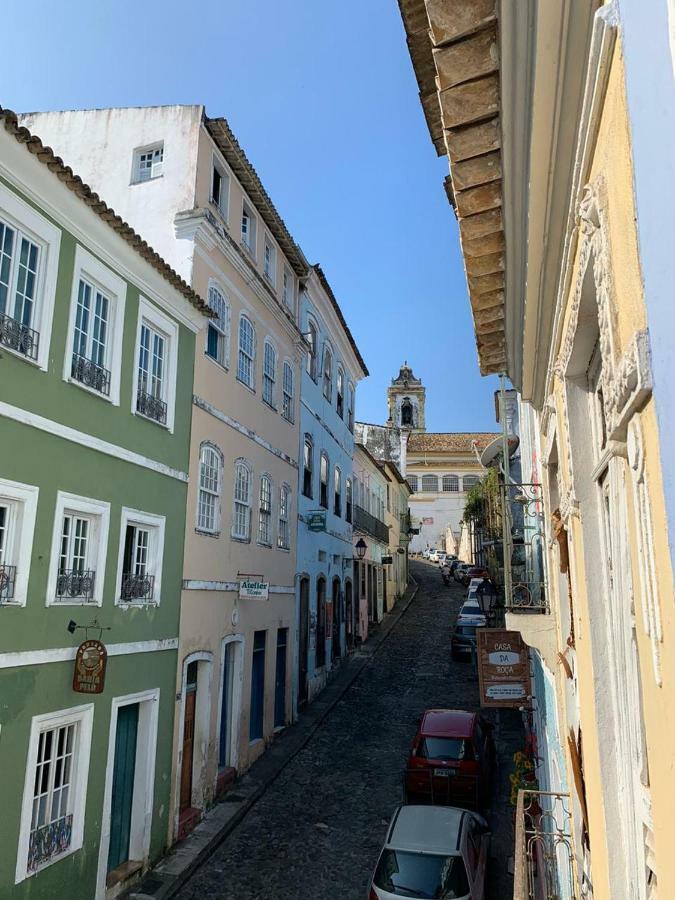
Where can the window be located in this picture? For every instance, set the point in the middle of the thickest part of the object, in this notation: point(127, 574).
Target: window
point(412, 481)
point(220, 189)
point(327, 374)
point(52, 815)
point(340, 391)
point(320, 622)
point(18, 506)
point(155, 370)
point(287, 407)
point(218, 329)
point(350, 408)
point(323, 482)
point(245, 363)
point(348, 500)
point(148, 162)
point(139, 570)
point(429, 482)
point(265, 512)
point(311, 353)
point(241, 517)
point(257, 717)
point(210, 486)
point(284, 536)
point(388, 500)
point(307, 467)
point(288, 294)
point(450, 484)
point(79, 545)
point(269, 373)
point(248, 230)
point(357, 492)
point(337, 492)
point(270, 262)
point(469, 481)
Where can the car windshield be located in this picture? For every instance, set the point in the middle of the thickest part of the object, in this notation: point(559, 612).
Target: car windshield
point(466, 630)
point(421, 875)
point(445, 748)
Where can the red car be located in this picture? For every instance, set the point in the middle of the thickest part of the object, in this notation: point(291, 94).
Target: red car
point(451, 760)
point(473, 572)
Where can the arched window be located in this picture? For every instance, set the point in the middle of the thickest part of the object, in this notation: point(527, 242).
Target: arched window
point(320, 621)
point(307, 466)
point(269, 373)
point(210, 486)
point(430, 482)
point(218, 332)
point(406, 413)
point(450, 484)
point(246, 359)
point(469, 481)
point(340, 392)
point(412, 481)
point(241, 513)
point(284, 536)
point(311, 352)
point(328, 374)
point(337, 492)
point(350, 407)
point(265, 512)
point(348, 500)
point(323, 481)
point(288, 403)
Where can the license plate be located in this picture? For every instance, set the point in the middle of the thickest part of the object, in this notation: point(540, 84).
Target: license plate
point(445, 772)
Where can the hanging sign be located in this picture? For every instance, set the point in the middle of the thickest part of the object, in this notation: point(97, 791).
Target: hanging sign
point(387, 560)
point(316, 521)
point(503, 668)
point(90, 663)
point(251, 589)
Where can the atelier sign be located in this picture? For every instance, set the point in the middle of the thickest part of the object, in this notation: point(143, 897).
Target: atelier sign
point(503, 668)
point(90, 663)
point(250, 589)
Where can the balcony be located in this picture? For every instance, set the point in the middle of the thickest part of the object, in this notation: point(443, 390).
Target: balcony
point(527, 611)
point(90, 374)
point(151, 407)
point(364, 521)
point(544, 853)
point(75, 584)
point(7, 582)
point(137, 588)
point(19, 337)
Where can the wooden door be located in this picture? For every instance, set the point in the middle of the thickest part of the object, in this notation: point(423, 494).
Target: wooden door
point(188, 737)
point(124, 770)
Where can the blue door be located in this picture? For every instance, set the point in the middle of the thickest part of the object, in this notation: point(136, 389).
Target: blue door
point(123, 784)
point(280, 685)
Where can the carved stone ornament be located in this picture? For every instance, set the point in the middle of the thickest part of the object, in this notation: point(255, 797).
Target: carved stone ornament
point(629, 386)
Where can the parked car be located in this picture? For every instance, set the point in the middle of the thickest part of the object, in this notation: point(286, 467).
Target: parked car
point(454, 564)
point(426, 553)
point(463, 638)
point(460, 570)
point(440, 557)
point(436, 851)
point(473, 572)
point(433, 555)
point(474, 583)
point(471, 607)
point(451, 760)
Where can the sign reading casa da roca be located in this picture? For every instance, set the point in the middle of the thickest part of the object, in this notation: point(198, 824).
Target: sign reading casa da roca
point(503, 668)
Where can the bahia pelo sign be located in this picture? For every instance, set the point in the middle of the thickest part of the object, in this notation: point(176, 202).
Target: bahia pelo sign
point(90, 664)
point(252, 589)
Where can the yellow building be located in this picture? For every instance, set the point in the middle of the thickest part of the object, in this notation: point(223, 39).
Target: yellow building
point(397, 519)
point(558, 119)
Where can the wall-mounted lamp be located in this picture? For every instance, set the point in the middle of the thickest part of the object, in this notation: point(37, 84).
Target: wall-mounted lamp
point(361, 548)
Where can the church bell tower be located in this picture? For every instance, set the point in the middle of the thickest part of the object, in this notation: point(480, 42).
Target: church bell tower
point(405, 398)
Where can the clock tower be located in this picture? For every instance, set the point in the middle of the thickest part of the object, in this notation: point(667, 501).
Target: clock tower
point(405, 398)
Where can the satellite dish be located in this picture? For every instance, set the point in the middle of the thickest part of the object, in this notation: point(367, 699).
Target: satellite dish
point(494, 449)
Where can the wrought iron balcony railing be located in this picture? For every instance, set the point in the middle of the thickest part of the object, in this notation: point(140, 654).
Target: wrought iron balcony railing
point(137, 587)
point(364, 521)
point(19, 337)
point(528, 597)
point(75, 584)
point(544, 852)
point(90, 374)
point(7, 582)
point(151, 406)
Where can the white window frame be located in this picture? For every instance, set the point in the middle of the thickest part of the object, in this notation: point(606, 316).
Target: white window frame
point(340, 394)
point(251, 243)
point(226, 334)
point(349, 402)
point(149, 314)
point(452, 480)
point(327, 376)
point(156, 525)
point(84, 717)
point(215, 531)
point(270, 401)
point(266, 543)
point(18, 214)
point(284, 489)
point(288, 290)
point(90, 269)
point(99, 511)
point(288, 365)
point(430, 490)
point(312, 364)
point(223, 203)
point(243, 538)
point(251, 385)
point(270, 272)
point(22, 500)
point(157, 169)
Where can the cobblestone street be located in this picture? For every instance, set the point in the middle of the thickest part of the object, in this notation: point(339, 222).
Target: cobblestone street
point(317, 831)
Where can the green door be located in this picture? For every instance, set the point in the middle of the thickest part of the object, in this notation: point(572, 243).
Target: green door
point(123, 784)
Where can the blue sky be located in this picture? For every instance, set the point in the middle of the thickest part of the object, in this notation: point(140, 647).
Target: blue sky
point(323, 99)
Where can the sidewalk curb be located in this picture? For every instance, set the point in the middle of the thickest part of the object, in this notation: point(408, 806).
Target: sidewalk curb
point(170, 882)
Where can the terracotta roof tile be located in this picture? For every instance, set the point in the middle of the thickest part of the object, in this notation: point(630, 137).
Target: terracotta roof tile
point(449, 442)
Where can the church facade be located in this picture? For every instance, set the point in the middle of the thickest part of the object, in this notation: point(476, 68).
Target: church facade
point(440, 467)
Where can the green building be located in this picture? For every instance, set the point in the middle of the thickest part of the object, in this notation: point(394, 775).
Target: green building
point(97, 341)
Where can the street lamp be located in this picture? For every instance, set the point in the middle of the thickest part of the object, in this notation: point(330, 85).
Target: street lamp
point(361, 548)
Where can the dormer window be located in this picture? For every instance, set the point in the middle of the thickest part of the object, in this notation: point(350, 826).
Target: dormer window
point(148, 162)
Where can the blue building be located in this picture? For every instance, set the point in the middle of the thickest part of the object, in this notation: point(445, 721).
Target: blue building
point(325, 607)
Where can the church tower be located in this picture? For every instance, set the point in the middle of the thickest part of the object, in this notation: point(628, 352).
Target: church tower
point(405, 398)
